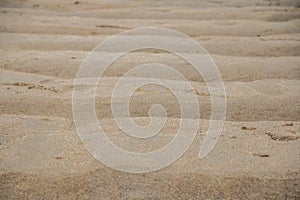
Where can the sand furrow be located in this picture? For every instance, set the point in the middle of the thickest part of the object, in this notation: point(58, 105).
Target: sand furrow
point(242, 98)
point(101, 26)
point(232, 46)
point(65, 64)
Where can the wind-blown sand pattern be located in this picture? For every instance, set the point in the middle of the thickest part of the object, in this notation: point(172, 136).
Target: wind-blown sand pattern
point(255, 44)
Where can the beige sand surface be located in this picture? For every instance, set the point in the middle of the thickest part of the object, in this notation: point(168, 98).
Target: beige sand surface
point(255, 44)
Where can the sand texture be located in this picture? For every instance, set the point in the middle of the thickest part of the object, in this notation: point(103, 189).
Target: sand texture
point(256, 46)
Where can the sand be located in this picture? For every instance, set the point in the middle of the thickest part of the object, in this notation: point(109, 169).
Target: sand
point(256, 46)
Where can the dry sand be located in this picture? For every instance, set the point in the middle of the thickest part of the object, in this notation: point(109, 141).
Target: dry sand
point(256, 45)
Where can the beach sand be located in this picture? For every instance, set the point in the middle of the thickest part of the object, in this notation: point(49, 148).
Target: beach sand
point(256, 46)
